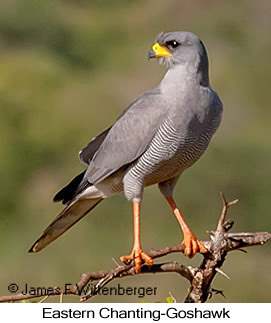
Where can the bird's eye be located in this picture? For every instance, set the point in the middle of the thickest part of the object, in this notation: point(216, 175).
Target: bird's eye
point(172, 43)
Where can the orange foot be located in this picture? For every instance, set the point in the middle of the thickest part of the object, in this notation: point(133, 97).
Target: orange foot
point(139, 256)
point(192, 245)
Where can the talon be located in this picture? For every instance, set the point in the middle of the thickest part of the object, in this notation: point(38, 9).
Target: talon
point(202, 249)
point(192, 245)
point(127, 259)
point(139, 256)
point(148, 259)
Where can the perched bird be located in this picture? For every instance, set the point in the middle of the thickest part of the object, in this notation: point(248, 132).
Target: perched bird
point(158, 136)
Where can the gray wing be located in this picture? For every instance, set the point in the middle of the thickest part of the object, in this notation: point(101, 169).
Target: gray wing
point(129, 136)
point(87, 153)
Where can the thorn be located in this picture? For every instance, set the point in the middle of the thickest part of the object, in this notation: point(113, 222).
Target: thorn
point(232, 202)
point(222, 273)
point(242, 250)
point(228, 225)
point(216, 291)
point(174, 299)
point(223, 198)
point(42, 300)
point(115, 262)
point(210, 232)
point(61, 298)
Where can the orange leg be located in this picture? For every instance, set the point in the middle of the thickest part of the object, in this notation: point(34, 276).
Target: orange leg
point(192, 244)
point(137, 253)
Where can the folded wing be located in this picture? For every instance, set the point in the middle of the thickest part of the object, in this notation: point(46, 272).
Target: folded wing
point(129, 136)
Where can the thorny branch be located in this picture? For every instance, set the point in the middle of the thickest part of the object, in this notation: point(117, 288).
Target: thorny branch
point(200, 278)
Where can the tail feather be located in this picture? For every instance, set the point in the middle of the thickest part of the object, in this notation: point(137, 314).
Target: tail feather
point(66, 219)
point(67, 193)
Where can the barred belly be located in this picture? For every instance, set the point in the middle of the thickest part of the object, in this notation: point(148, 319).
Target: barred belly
point(168, 155)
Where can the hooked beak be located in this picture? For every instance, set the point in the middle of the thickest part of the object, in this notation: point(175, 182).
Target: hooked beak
point(158, 51)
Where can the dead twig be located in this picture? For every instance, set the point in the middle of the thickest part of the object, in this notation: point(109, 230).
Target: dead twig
point(221, 242)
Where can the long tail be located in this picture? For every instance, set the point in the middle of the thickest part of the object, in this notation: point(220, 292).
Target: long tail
point(66, 219)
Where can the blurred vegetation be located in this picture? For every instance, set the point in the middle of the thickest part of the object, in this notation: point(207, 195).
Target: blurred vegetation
point(68, 68)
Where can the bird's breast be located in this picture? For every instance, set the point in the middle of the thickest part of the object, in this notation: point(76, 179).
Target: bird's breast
point(174, 148)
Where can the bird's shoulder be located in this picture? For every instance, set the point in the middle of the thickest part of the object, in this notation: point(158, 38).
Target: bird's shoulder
point(199, 113)
point(212, 108)
point(140, 118)
point(209, 103)
point(140, 108)
point(129, 136)
point(145, 102)
point(135, 127)
point(86, 154)
point(215, 102)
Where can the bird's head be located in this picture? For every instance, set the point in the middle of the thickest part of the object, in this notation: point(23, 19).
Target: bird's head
point(181, 47)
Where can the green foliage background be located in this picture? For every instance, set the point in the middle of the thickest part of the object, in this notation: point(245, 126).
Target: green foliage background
point(67, 69)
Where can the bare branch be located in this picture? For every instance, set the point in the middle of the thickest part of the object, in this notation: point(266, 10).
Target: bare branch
point(200, 278)
point(226, 205)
